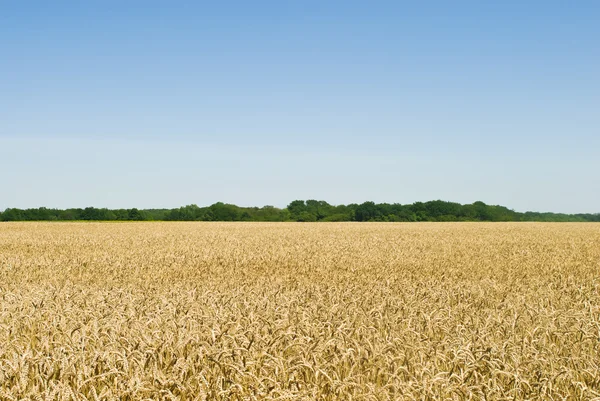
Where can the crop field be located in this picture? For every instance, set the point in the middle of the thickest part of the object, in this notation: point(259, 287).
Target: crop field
point(294, 311)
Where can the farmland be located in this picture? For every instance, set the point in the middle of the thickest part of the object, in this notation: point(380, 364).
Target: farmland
point(299, 311)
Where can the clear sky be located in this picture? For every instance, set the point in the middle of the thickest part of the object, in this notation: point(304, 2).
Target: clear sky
point(166, 103)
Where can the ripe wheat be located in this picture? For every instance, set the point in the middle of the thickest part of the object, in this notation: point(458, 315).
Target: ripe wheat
point(261, 311)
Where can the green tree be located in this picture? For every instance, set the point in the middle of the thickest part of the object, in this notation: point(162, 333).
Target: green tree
point(296, 208)
point(367, 211)
point(135, 215)
point(225, 212)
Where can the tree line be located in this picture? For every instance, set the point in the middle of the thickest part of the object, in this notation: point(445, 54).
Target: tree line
point(301, 211)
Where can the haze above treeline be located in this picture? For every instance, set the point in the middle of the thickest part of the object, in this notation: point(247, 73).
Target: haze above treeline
point(301, 211)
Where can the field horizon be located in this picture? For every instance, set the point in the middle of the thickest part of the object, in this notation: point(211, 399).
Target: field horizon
point(302, 211)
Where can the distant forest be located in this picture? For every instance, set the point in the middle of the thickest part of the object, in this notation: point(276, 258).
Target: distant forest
point(299, 210)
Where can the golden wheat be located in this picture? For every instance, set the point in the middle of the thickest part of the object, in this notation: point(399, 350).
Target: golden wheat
point(260, 311)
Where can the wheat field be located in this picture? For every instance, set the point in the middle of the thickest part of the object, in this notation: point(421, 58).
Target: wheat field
point(292, 311)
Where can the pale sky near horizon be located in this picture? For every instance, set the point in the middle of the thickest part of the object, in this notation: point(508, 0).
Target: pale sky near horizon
point(161, 104)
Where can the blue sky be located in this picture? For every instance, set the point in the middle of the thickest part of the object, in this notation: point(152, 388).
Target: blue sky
point(162, 104)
